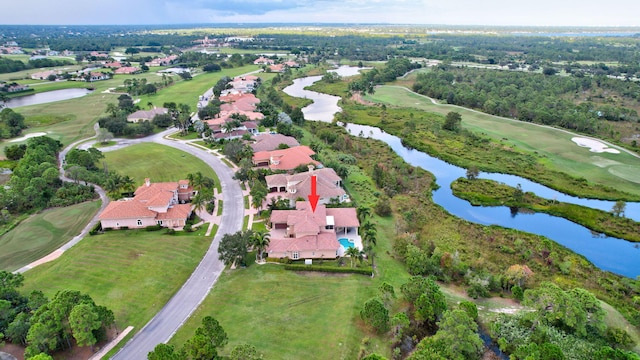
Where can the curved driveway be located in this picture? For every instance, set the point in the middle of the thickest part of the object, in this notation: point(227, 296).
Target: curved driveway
point(186, 300)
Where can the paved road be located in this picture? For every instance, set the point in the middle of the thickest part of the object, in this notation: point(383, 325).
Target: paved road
point(179, 308)
point(87, 228)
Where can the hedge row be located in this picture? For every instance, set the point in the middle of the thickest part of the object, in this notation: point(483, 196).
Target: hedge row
point(329, 269)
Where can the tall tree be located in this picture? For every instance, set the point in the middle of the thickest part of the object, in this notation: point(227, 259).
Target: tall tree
point(459, 335)
point(260, 241)
point(619, 208)
point(84, 319)
point(452, 121)
point(375, 314)
point(234, 247)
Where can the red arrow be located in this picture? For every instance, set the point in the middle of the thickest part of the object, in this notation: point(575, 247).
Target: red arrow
point(313, 197)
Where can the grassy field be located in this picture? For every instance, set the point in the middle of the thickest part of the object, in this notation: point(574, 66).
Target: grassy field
point(294, 315)
point(621, 171)
point(135, 162)
point(134, 273)
point(42, 233)
point(73, 119)
point(187, 92)
point(26, 74)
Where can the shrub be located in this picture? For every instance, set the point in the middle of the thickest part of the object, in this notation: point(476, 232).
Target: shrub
point(96, 229)
point(329, 269)
point(170, 231)
point(153, 227)
point(517, 292)
point(470, 308)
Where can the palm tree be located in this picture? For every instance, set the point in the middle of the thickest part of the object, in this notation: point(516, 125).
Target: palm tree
point(228, 126)
point(364, 213)
point(199, 201)
point(128, 184)
point(369, 232)
point(260, 241)
point(353, 253)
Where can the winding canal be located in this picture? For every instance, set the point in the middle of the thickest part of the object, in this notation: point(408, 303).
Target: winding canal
point(608, 253)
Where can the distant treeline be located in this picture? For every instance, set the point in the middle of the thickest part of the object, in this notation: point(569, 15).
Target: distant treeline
point(539, 98)
point(8, 65)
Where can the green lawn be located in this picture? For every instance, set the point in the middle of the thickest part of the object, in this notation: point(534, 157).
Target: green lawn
point(170, 164)
point(42, 233)
point(620, 171)
point(26, 74)
point(134, 273)
point(289, 315)
point(187, 92)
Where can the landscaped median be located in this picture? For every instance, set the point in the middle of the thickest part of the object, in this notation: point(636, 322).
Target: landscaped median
point(482, 192)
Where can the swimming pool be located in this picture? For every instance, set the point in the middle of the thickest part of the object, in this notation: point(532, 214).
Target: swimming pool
point(346, 243)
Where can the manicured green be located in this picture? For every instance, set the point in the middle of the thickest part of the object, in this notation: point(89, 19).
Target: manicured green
point(187, 92)
point(259, 226)
point(133, 272)
point(295, 315)
point(245, 223)
point(157, 162)
point(56, 85)
point(553, 147)
point(492, 193)
point(42, 233)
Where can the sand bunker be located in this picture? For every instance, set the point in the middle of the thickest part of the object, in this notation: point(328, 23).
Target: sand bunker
point(594, 145)
point(29, 136)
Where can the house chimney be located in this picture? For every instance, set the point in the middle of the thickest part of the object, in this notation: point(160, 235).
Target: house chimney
point(310, 167)
point(147, 182)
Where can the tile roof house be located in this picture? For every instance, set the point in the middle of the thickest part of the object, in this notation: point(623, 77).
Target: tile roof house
point(304, 234)
point(291, 64)
point(268, 142)
point(13, 88)
point(127, 70)
point(241, 101)
point(277, 68)
point(292, 187)
point(98, 54)
point(113, 65)
point(163, 61)
point(43, 75)
point(263, 61)
point(285, 159)
point(152, 204)
point(97, 76)
point(143, 115)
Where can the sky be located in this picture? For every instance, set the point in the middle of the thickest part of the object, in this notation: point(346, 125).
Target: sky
point(446, 12)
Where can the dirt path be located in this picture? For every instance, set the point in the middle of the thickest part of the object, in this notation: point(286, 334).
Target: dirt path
point(492, 304)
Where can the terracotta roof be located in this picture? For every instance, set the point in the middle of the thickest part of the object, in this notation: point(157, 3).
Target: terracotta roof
point(276, 180)
point(344, 217)
point(127, 70)
point(148, 195)
point(178, 211)
point(277, 68)
point(286, 159)
point(301, 182)
point(323, 241)
point(147, 114)
point(126, 209)
point(268, 142)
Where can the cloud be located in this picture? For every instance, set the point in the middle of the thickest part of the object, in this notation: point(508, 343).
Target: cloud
point(454, 12)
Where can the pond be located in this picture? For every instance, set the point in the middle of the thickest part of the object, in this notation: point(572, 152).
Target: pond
point(612, 254)
point(47, 97)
